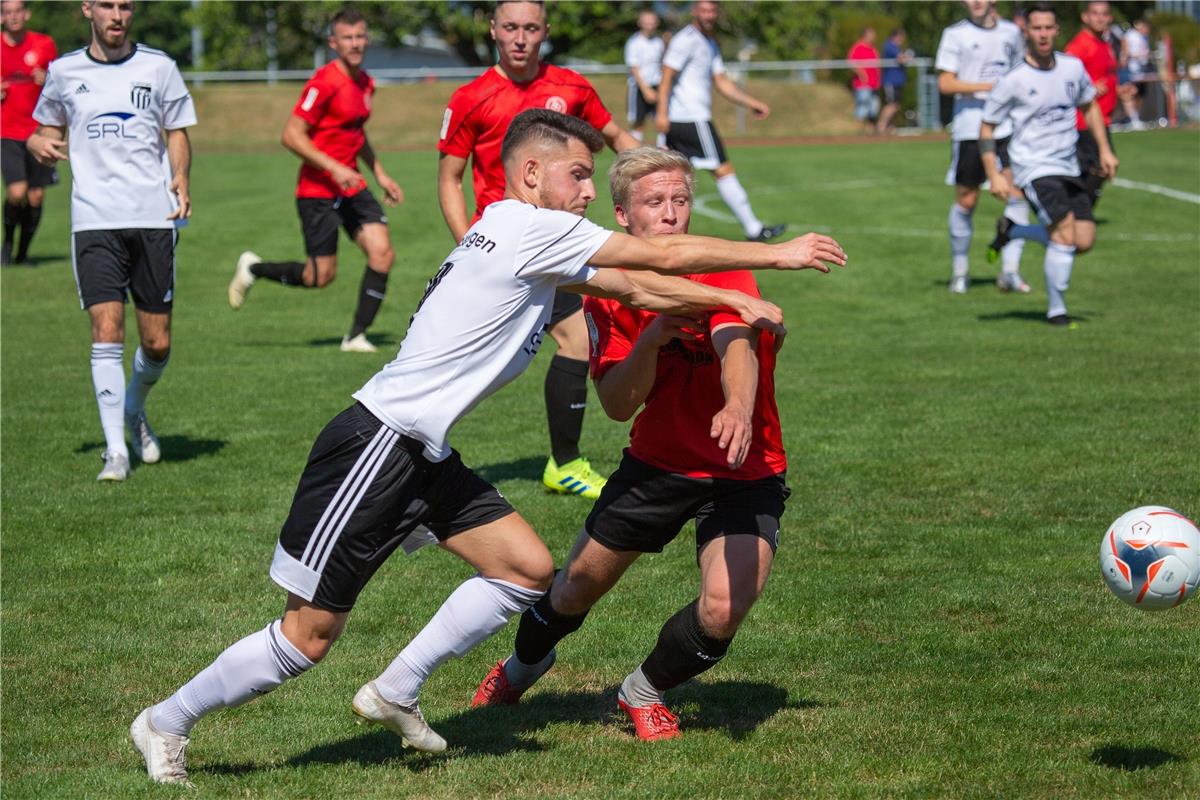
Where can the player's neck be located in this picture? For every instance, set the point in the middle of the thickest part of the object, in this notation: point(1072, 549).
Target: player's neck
point(1041, 62)
point(14, 39)
point(988, 21)
point(346, 68)
point(99, 52)
point(520, 76)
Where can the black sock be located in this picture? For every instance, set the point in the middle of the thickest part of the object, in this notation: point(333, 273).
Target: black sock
point(370, 296)
point(12, 218)
point(289, 273)
point(566, 399)
point(29, 224)
point(541, 629)
point(683, 650)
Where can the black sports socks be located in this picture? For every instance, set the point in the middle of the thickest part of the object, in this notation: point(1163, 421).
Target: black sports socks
point(683, 650)
point(289, 273)
point(566, 399)
point(370, 297)
point(541, 629)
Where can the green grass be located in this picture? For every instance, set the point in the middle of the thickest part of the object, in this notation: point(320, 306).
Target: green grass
point(935, 625)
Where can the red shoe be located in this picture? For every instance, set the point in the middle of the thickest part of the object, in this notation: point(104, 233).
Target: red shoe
point(495, 690)
point(651, 722)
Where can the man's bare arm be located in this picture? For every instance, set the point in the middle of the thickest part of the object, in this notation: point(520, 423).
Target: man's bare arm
point(179, 154)
point(731, 426)
point(735, 94)
point(661, 120)
point(48, 144)
point(627, 384)
point(617, 137)
point(392, 193)
point(295, 138)
point(948, 83)
point(1095, 122)
point(451, 196)
point(682, 254)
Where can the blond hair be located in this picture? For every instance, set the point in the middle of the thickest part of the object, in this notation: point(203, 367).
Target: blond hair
point(638, 162)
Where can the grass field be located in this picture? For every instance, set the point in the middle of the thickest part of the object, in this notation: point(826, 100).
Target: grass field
point(935, 626)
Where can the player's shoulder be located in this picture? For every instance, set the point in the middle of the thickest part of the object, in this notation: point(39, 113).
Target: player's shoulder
point(1008, 27)
point(959, 29)
point(152, 53)
point(475, 90)
point(40, 39)
point(552, 73)
point(72, 57)
point(1069, 61)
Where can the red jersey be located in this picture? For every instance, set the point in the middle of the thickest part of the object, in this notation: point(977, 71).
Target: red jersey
point(1101, 67)
point(21, 92)
point(861, 51)
point(479, 114)
point(672, 431)
point(336, 107)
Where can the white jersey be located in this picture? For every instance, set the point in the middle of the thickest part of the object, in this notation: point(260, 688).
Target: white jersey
point(1137, 46)
point(482, 318)
point(1041, 104)
point(115, 114)
point(696, 58)
point(977, 55)
point(645, 53)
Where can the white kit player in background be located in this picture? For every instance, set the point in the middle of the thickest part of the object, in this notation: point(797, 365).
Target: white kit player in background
point(971, 56)
point(643, 58)
point(1039, 98)
point(382, 474)
point(692, 67)
point(107, 106)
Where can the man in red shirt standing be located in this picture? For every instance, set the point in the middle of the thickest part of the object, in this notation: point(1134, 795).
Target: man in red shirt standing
point(1091, 47)
point(24, 57)
point(473, 128)
point(707, 446)
point(867, 79)
point(326, 130)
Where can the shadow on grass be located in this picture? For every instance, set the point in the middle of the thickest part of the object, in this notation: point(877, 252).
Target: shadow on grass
point(383, 341)
point(970, 282)
point(736, 707)
point(1026, 316)
point(520, 468)
point(37, 261)
point(174, 448)
point(1129, 759)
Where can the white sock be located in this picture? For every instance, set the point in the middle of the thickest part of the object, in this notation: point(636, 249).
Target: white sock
point(145, 374)
point(108, 379)
point(960, 237)
point(661, 141)
point(1059, 260)
point(1018, 211)
point(636, 690)
point(738, 201)
point(1035, 233)
point(477, 609)
point(636, 134)
point(251, 667)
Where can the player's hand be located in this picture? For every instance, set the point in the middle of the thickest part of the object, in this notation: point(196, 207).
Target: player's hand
point(39, 76)
point(651, 94)
point(1000, 187)
point(732, 429)
point(761, 110)
point(392, 193)
point(1109, 163)
point(347, 179)
point(179, 187)
point(666, 327)
point(761, 314)
point(812, 251)
point(661, 123)
point(1101, 89)
point(46, 149)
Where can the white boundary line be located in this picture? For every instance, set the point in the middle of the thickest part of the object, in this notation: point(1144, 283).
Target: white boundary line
point(1154, 188)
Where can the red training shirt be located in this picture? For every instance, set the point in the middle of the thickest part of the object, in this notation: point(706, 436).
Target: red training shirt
point(672, 431)
point(21, 93)
point(861, 51)
point(336, 107)
point(1101, 67)
point(479, 113)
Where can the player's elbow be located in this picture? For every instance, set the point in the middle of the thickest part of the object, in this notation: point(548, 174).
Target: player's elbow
point(616, 407)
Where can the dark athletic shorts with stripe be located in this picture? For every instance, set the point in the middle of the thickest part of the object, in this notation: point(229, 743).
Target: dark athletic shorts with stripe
point(18, 165)
point(643, 508)
point(1056, 196)
point(320, 218)
point(699, 142)
point(365, 490)
point(113, 265)
point(966, 162)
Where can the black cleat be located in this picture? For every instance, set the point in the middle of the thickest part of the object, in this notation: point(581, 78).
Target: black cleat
point(768, 233)
point(1059, 319)
point(1003, 226)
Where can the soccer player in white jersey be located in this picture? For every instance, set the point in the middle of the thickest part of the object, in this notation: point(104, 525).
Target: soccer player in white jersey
point(108, 105)
point(971, 56)
point(382, 474)
point(643, 58)
point(692, 67)
point(1040, 97)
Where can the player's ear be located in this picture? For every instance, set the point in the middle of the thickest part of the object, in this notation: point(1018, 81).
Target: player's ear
point(531, 171)
point(622, 217)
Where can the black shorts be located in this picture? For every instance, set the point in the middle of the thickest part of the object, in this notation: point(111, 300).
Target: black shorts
point(1055, 196)
point(1088, 152)
point(18, 164)
point(642, 508)
point(365, 490)
point(966, 165)
point(638, 108)
point(892, 93)
point(112, 265)
point(565, 304)
point(320, 217)
point(699, 142)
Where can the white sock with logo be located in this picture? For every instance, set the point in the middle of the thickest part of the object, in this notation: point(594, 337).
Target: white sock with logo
point(108, 379)
point(477, 609)
point(247, 669)
point(1018, 211)
point(961, 229)
point(738, 201)
point(1059, 260)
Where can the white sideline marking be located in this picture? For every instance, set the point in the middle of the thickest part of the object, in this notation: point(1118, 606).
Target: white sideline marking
point(1154, 188)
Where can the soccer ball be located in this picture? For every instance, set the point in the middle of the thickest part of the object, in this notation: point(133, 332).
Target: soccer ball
point(1150, 558)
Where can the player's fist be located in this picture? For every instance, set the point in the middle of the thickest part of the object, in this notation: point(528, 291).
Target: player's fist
point(1109, 163)
point(666, 327)
point(661, 123)
point(1000, 187)
point(812, 251)
point(46, 149)
point(347, 179)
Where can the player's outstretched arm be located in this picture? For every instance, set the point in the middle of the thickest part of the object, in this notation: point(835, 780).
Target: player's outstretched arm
point(948, 83)
point(179, 154)
point(661, 119)
point(735, 94)
point(682, 254)
point(451, 197)
point(627, 384)
point(48, 144)
point(295, 138)
point(731, 426)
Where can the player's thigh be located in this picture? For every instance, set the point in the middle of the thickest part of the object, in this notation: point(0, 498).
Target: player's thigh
point(570, 331)
point(373, 239)
point(108, 321)
point(506, 549)
point(1085, 235)
point(319, 223)
point(591, 570)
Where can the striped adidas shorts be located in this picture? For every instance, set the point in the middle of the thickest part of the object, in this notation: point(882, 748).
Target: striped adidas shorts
point(365, 491)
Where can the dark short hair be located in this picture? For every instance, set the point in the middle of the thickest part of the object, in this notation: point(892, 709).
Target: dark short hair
point(347, 16)
point(549, 127)
point(499, 3)
point(1041, 8)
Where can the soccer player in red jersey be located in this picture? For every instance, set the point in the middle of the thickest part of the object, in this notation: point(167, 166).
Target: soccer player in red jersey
point(706, 446)
point(1091, 46)
point(24, 57)
point(473, 128)
point(326, 130)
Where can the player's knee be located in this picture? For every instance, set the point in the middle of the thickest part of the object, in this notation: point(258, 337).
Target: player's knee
point(381, 260)
point(157, 349)
point(532, 571)
point(16, 192)
point(320, 277)
point(35, 197)
point(968, 200)
point(574, 592)
point(720, 615)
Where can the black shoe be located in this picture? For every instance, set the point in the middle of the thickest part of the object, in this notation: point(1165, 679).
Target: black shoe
point(1003, 226)
point(768, 233)
point(1059, 319)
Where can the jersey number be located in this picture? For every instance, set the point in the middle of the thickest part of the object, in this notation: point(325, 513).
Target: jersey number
point(442, 272)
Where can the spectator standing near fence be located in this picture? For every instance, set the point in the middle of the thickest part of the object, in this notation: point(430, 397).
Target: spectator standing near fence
point(866, 80)
point(894, 78)
point(1139, 64)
